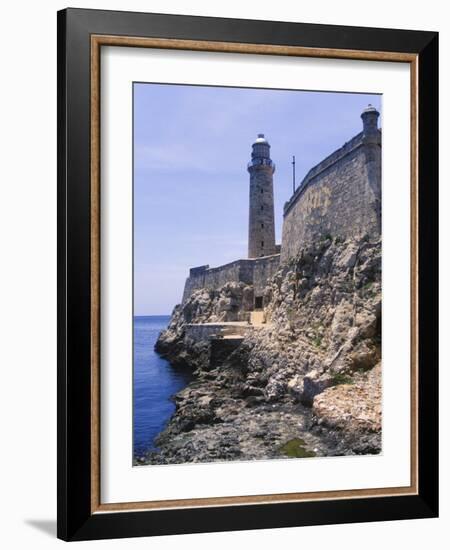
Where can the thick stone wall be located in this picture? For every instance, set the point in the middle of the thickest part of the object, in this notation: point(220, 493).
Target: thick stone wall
point(205, 331)
point(213, 278)
point(340, 197)
point(263, 270)
point(251, 272)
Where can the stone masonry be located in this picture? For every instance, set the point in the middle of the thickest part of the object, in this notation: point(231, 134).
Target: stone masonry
point(286, 348)
point(261, 226)
point(254, 272)
point(339, 197)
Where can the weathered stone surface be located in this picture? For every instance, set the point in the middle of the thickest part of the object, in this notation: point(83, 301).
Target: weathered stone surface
point(254, 272)
point(349, 414)
point(338, 198)
point(261, 226)
point(287, 378)
point(307, 381)
point(181, 344)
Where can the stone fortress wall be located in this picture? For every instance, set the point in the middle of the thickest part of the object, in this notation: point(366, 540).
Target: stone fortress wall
point(338, 198)
point(254, 272)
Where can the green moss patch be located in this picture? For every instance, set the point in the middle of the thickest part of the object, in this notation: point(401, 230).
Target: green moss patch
point(295, 448)
point(317, 341)
point(340, 378)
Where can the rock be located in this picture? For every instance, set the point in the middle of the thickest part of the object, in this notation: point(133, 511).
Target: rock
point(310, 372)
point(364, 356)
point(367, 323)
point(295, 387)
point(354, 410)
point(348, 259)
point(312, 387)
point(275, 388)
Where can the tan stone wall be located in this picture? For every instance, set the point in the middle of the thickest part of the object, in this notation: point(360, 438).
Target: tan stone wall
point(263, 270)
point(341, 199)
point(216, 277)
point(249, 271)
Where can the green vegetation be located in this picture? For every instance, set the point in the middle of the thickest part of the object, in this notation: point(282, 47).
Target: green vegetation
point(317, 329)
point(340, 378)
point(347, 285)
point(295, 448)
point(326, 237)
point(368, 290)
point(360, 370)
point(317, 341)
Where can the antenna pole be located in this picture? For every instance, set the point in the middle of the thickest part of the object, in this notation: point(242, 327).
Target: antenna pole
point(293, 173)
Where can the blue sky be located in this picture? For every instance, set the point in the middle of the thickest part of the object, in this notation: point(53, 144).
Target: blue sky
point(191, 148)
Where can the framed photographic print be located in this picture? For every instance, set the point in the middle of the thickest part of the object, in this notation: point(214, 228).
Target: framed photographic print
point(247, 274)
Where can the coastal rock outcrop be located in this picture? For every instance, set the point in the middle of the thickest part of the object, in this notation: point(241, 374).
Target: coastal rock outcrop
point(232, 302)
point(305, 382)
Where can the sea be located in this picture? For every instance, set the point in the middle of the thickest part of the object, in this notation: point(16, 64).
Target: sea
point(155, 381)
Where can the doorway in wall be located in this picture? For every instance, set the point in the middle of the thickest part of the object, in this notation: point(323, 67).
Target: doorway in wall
point(258, 302)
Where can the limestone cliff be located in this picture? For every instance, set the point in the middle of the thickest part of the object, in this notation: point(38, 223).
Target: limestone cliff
point(305, 382)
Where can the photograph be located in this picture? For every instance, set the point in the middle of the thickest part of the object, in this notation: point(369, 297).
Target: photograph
point(247, 264)
point(257, 274)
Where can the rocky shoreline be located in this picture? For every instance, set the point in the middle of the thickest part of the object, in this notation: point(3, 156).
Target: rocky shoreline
point(305, 383)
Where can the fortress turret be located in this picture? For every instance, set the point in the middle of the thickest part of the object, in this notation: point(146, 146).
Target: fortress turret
point(261, 229)
point(370, 123)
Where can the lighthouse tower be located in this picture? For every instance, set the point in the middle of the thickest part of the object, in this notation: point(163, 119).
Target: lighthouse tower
point(261, 227)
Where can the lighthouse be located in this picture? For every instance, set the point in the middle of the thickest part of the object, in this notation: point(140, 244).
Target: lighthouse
point(261, 226)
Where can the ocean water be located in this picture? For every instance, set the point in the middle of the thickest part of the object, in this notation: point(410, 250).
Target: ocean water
point(155, 380)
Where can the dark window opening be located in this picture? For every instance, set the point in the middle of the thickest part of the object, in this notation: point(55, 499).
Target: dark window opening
point(262, 191)
point(262, 226)
point(262, 207)
point(258, 302)
point(262, 244)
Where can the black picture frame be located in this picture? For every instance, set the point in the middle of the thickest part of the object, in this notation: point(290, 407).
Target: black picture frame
point(75, 518)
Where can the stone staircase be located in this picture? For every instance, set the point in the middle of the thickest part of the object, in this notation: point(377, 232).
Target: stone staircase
point(225, 338)
point(257, 318)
